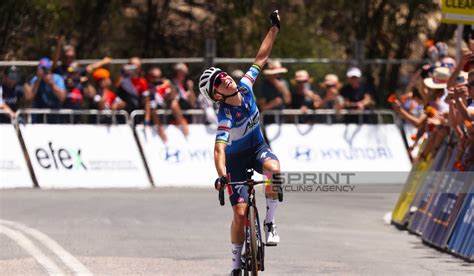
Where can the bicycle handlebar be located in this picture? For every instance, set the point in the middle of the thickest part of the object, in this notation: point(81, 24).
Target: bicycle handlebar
point(246, 182)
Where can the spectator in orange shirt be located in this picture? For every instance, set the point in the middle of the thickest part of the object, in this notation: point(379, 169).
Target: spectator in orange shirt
point(105, 98)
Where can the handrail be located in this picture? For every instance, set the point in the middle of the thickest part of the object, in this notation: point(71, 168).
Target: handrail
point(188, 112)
point(72, 113)
point(331, 112)
point(12, 121)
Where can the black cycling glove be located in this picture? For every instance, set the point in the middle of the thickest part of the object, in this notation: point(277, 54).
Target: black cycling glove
point(275, 19)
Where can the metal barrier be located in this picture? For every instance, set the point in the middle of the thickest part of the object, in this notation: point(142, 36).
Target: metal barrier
point(4, 117)
point(71, 114)
point(331, 115)
point(197, 116)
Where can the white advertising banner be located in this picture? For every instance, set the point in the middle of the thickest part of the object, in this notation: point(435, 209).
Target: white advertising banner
point(182, 161)
point(85, 156)
point(13, 169)
point(342, 148)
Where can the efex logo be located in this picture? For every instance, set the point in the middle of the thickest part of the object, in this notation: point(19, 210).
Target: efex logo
point(59, 158)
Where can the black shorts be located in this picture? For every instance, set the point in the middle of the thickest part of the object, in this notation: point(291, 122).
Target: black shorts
point(237, 165)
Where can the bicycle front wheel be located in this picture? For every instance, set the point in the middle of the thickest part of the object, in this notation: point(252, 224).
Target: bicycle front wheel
point(253, 240)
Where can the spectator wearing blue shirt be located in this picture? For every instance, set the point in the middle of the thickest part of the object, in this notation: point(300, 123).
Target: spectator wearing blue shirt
point(13, 90)
point(48, 89)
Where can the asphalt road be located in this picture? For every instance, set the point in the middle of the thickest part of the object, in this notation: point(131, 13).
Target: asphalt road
point(183, 231)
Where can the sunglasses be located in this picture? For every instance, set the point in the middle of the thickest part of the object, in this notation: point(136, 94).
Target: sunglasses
point(219, 79)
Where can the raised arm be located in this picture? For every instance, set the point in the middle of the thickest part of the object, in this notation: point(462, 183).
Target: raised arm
point(267, 44)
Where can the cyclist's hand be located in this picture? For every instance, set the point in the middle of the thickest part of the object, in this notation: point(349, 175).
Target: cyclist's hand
point(275, 19)
point(220, 182)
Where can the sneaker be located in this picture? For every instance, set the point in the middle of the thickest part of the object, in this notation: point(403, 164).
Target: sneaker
point(236, 272)
point(271, 234)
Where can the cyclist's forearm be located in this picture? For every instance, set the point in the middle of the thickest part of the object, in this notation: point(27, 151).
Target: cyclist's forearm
point(219, 158)
point(266, 47)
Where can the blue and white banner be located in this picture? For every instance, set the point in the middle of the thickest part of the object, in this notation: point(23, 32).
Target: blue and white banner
point(181, 161)
point(340, 147)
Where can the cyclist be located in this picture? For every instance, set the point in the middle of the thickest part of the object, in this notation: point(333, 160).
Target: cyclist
point(239, 142)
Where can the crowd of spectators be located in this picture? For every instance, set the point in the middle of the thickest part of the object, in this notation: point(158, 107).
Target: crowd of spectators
point(437, 102)
point(61, 82)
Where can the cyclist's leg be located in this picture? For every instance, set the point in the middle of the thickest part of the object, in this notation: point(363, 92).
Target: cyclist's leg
point(238, 195)
point(267, 164)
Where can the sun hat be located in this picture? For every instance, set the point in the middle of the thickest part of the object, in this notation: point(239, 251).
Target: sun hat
point(274, 68)
point(439, 79)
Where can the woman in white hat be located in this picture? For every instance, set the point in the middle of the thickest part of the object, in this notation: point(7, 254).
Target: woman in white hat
point(274, 93)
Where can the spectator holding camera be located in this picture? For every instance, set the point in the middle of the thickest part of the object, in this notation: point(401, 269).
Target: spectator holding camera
point(184, 86)
point(330, 97)
point(163, 95)
point(12, 91)
point(48, 89)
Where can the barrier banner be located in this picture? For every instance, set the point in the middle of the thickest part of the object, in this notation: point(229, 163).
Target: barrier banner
point(434, 179)
point(182, 161)
point(340, 147)
point(410, 189)
point(13, 168)
point(444, 209)
point(462, 238)
point(84, 156)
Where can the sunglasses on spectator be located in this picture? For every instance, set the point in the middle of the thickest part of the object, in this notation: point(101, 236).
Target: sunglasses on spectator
point(219, 79)
point(447, 64)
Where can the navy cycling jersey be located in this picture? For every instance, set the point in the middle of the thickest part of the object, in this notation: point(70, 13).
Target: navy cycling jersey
point(239, 126)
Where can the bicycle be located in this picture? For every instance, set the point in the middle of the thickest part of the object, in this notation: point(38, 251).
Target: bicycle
point(254, 250)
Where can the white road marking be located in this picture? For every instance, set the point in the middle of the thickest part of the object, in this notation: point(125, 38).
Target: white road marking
point(76, 267)
point(34, 251)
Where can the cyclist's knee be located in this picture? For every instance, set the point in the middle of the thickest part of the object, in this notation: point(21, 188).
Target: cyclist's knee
point(271, 166)
point(239, 213)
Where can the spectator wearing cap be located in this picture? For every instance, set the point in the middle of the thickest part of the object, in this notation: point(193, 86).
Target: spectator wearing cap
point(274, 92)
point(184, 86)
point(12, 91)
point(48, 89)
point(357, 94)
point(163, 95)
point(104, 98)
point(330, 97)
point(75, 87)
point(302, 95)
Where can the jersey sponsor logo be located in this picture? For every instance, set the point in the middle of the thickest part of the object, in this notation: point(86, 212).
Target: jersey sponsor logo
point(251, 123)
point(227, 113)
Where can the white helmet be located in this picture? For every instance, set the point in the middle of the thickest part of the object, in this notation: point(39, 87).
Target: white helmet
point(206, 82)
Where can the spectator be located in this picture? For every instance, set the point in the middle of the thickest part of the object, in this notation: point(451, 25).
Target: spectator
point(274, 92)
point(357, 95)
point(62, 61)
point(133, 89)
point(237, 74)
point(184, 86)
point(303, 96)
point(74, 87)
point(330, 97)
point(105, 98)
point(163, 95)
point(48, 89)
point(12, 91)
